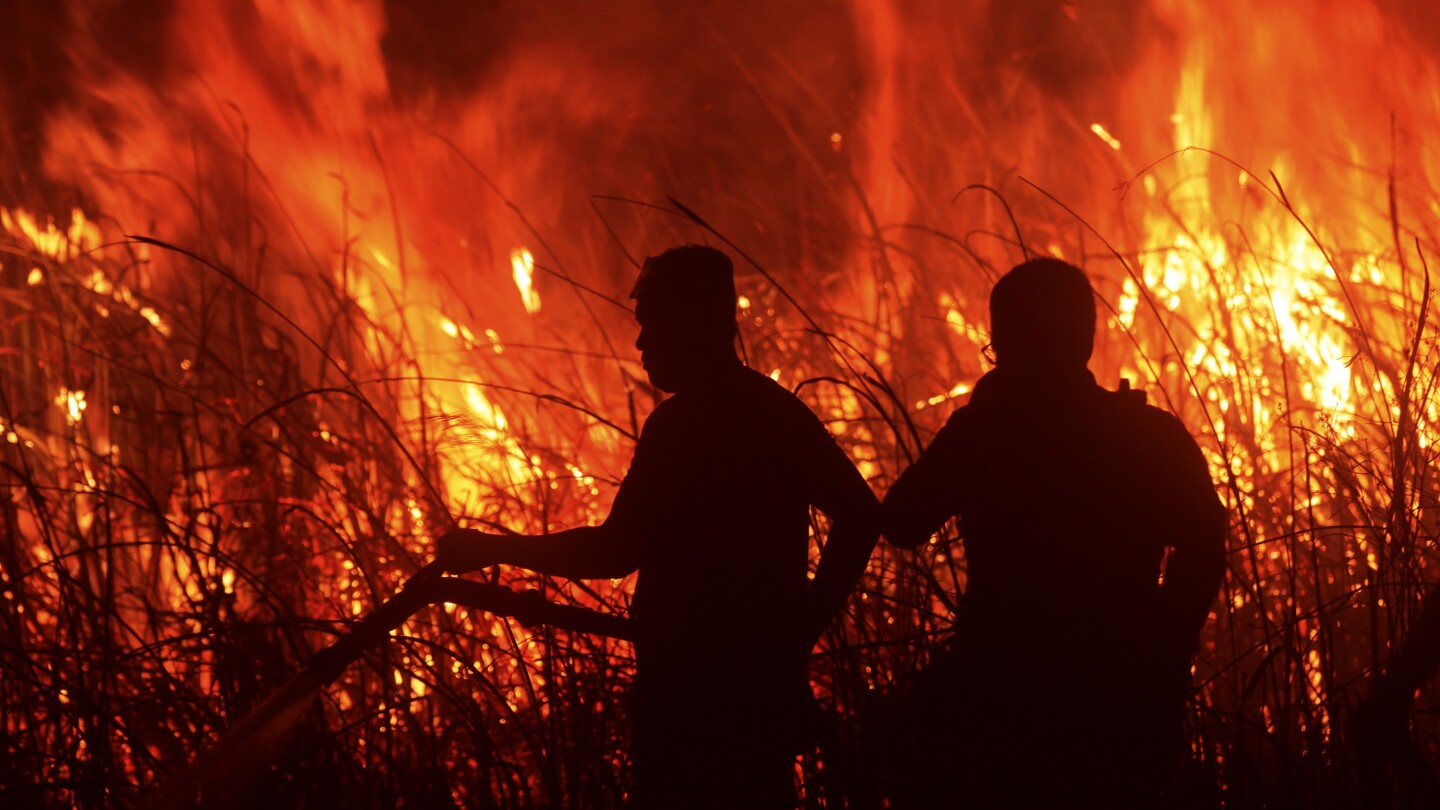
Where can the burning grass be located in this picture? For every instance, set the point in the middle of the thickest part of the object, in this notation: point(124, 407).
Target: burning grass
point(215, 460)
point(194, 513)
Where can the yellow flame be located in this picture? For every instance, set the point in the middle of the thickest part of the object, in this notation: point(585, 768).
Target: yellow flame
point(100, 284)
point(482, 407)
point(1105, 136)
point(960, 389)
point(522, 266)
point(73, 403)
point(79, 237)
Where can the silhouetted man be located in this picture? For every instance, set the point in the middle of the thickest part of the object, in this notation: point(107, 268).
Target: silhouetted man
point(714, 513)
point(1065, 679)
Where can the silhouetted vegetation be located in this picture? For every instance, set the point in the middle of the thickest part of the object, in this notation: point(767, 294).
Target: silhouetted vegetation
point(215, 461)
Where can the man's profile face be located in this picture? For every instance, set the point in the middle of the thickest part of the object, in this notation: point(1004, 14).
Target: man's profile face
point(664, 345)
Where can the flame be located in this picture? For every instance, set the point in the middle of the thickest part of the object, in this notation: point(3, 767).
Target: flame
point(1259, 249)
point(522, 266)
point(79, 237)
point(72, 403)
point(1104, 135)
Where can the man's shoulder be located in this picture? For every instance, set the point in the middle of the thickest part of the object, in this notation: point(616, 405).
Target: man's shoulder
point(668, 418)
point(775, 413)
point(767, 390)
point(749, 390)
point(1133, 406)
point(1150, 430)
point(970, 415)
point(747, 394)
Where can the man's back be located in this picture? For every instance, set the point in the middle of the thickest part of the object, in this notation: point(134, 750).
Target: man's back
point(1069, 660)
point(1068, 496)
point(1066, 674)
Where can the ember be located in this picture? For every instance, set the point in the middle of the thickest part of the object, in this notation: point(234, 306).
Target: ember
point(271, 285)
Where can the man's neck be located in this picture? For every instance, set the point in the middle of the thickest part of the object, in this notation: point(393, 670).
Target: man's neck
point(712, 374)
point(1051, 379)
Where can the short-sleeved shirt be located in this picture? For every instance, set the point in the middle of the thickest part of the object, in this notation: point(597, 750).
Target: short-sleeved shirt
point(716, 503)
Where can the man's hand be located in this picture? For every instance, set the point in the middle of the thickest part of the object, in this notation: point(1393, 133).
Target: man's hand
point(460, 551)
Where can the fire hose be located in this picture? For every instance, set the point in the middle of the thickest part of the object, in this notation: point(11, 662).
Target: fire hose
point(217, 775)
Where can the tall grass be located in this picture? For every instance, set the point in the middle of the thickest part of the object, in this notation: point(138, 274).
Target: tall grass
point(274, 457)
point(209, 519)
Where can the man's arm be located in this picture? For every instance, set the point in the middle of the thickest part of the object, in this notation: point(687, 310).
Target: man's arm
point(835, 487)
point(1193, 574)
point(1196, 566)
point(921, 499)
point(607, 551)
point(854, 531)
point(589, 552)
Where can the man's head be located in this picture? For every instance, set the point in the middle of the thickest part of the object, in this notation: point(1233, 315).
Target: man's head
point(685, 303)
point(1042, 316)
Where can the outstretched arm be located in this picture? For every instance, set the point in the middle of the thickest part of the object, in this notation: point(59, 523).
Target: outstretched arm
point(921, 499)
point(589, 552)
point(607, 551)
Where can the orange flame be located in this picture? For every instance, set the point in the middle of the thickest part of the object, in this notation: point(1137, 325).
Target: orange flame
point(1259, 244)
